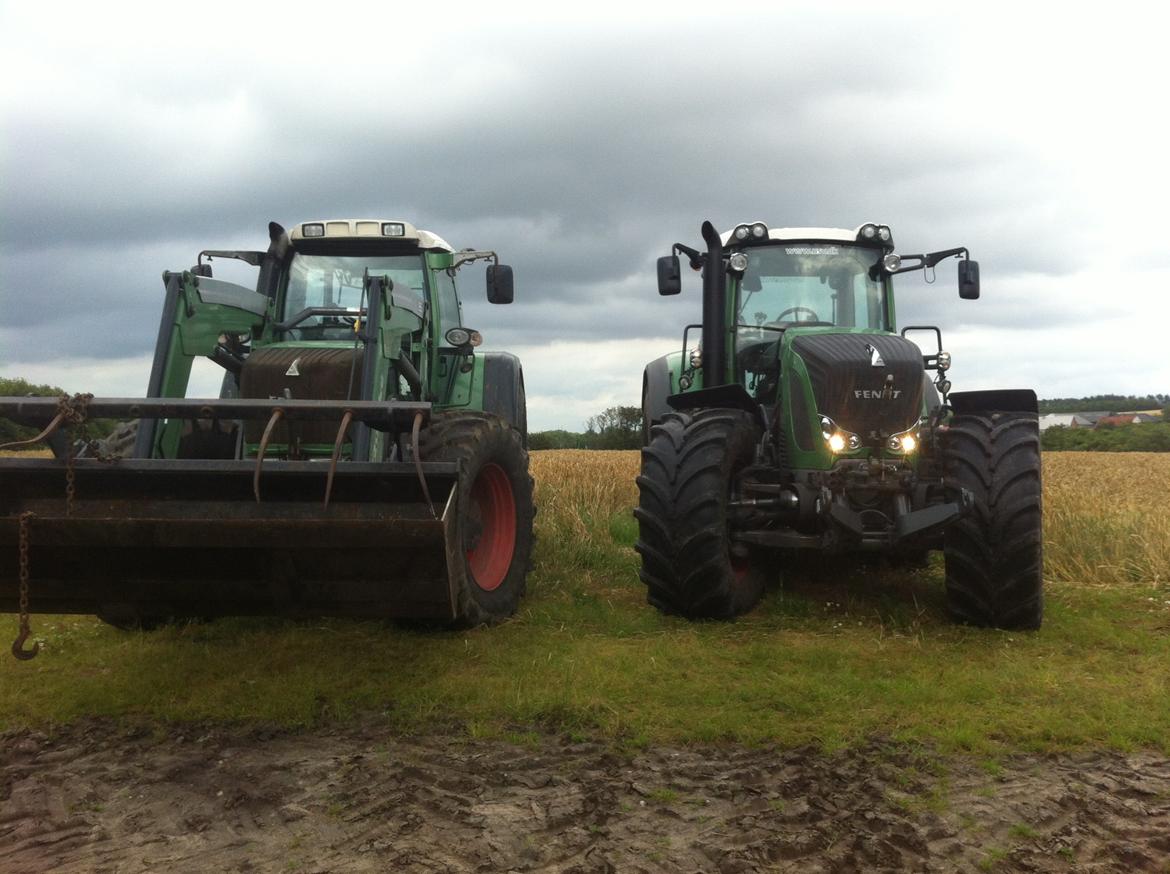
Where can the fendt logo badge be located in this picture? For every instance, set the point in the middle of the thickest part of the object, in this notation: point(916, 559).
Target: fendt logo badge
point(885, 394)
point(875, 357)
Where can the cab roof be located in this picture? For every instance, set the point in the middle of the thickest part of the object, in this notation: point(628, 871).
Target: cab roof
point(837, 235)
point(366, 230)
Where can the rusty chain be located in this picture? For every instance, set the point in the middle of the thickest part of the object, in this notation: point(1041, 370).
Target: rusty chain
point(75, 411)
point(72, 412)
point(18, 649)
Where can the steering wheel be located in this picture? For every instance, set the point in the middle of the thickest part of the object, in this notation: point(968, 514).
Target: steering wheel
point(797, 310)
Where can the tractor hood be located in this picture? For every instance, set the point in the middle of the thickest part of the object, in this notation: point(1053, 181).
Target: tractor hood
point(869, 384)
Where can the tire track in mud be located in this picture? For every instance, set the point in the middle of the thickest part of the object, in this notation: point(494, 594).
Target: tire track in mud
point(96, 797)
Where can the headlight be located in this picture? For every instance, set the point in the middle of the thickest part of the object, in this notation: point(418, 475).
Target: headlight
point(892, 262)
point(458, 337)
point(906, 441)
point(838, 439)
point(944, 361)
point(738, 262)
point(697, 358)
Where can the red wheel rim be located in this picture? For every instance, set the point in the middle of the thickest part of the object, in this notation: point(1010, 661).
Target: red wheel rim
point(494, 506)
point(740, 567)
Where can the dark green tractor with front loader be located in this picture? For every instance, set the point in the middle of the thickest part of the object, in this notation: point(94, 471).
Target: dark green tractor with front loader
point(365, 458)
point(796, 417)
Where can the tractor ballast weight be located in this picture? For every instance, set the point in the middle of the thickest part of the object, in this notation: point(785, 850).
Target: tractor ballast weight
point(803, 420)
point(365, 459)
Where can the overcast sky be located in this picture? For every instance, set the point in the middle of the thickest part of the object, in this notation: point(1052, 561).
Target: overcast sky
point(581, 145)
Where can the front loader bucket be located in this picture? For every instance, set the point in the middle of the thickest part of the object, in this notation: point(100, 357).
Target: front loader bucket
point(159, 538)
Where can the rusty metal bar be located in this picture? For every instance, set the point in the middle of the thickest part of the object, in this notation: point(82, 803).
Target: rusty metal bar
point(345, 420)
point(44, 435)
point(277, 415)
point(382, 415)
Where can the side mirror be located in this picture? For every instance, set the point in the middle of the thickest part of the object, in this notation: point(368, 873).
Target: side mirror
point(499, 283)
point(669, 276)
point(969, 280)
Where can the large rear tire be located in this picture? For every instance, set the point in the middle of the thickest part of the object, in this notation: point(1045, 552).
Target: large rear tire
point(494, 527)
point(994, 555)
point(690, 564)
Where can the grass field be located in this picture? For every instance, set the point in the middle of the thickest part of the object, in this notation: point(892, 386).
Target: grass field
point(838, 651)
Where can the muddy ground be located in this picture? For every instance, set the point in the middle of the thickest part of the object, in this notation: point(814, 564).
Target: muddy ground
point(102, 798)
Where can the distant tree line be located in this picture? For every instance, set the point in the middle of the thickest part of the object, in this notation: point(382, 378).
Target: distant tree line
point(612, 428)
point(1105, 404)
point(10, 432)
point(1148, 437)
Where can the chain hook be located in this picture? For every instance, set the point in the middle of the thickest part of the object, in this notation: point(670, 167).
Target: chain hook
point(18, 649)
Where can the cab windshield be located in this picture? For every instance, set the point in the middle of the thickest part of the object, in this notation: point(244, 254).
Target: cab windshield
point(798, 284)
point(335, 281)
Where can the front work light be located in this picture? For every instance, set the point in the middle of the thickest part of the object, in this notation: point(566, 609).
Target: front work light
point(458, 337)
point(315, 229)
point(838, 439)
point(756, 232)
point(906, 441)
point(738, 262)
point(944, 361)
point(892, 262)
point(393, 229)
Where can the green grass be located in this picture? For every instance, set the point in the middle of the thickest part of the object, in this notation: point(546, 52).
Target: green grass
point(828, 664)
point(838, 653)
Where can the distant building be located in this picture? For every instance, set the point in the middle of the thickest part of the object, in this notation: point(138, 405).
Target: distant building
point(1116, 421)
point(1070, 420)
point(1056, 420)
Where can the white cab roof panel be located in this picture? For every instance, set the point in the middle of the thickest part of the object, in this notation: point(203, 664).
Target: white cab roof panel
point(841, 235)
point(367, 228)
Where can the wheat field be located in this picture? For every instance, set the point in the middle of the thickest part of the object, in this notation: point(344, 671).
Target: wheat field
point(1106, 514)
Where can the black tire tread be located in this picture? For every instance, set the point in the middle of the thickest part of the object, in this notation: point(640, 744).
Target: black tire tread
point(994, 555)
point(681, 513)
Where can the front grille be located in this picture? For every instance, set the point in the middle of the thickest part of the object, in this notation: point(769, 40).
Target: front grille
point(320, 374)
point(867, 400)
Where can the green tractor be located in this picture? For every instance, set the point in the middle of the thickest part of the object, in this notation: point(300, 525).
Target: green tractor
point(802, 420)
point(364, 457)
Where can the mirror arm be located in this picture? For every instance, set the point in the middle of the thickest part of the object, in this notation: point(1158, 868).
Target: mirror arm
point(458, 259)
point(930, 259)
point(696, 257)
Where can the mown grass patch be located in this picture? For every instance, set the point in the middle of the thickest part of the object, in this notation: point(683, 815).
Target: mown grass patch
point(838, 652)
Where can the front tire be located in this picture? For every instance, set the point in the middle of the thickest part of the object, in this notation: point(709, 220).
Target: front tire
point(690, 564)
point(494, 527)
point(994, 555)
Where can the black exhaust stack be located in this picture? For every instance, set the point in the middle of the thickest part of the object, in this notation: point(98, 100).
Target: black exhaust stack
point(714, 311)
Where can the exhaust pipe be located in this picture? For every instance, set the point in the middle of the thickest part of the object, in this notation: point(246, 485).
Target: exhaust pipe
point(714, 311)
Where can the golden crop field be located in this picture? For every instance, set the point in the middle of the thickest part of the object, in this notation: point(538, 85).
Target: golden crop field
point(1107, 517)
point(1106, 514)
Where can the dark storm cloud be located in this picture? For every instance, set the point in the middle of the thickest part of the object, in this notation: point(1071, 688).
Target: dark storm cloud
point(580, 154)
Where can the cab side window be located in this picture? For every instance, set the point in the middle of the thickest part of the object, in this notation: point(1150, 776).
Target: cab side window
point(448, 302)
